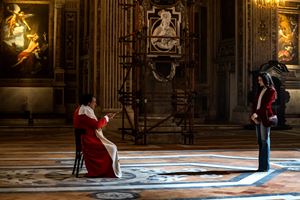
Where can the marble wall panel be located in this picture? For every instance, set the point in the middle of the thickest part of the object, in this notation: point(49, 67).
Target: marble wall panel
point(17, 100)
point(293, 106)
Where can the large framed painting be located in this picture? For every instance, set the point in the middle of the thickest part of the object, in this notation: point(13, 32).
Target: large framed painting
point(24, 50)
point(288, 38)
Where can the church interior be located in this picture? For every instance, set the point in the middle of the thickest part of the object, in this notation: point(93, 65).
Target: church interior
point(181, 78)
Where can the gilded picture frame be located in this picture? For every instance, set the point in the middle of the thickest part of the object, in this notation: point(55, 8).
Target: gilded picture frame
point(26, 35)
point(288, 37)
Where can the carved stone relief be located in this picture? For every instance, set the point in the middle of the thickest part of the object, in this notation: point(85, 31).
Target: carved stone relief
point(164, 32)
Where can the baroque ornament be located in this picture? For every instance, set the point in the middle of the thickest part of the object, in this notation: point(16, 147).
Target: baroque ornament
point(158, 77)
point(268, 3)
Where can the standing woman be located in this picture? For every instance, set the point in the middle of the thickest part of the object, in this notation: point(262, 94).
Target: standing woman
point(262, 110)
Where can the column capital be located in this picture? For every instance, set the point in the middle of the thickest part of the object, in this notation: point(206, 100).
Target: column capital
point(59, 3)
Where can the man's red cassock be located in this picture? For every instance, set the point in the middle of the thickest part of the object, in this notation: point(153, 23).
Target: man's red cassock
point(97, 160)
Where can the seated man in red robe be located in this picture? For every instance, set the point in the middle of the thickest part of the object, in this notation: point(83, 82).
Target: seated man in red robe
point(100, 154)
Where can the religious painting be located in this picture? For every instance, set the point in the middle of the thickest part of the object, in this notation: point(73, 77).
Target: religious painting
point(288, 38)
point(24, 40)
point(164, 31)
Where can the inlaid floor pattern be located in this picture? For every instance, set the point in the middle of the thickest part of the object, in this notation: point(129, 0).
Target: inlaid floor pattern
point(37, 164)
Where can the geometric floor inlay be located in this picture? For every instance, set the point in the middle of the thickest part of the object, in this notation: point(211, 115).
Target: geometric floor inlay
point(149, 172)
point(36, 164)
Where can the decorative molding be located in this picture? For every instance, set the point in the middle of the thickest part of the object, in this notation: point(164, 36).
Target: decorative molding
point(25, 1)
point(26, 83)
point(57, 36)
point(59, 77)
point(249, 45)
point(225, 67)
point(291, 5)
point(274, 34)
point(59, 4)
point(240, 52)
point(146, 4)
point(160, 78)
point(226, 51)
point(164, 4)
point(70, 39)
point(72, 4)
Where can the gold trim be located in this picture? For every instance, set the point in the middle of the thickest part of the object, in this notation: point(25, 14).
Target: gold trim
point(293, 12)
point(29, 2)
point(35, 82)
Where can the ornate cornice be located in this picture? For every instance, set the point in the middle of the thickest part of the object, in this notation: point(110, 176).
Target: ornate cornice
point(59, 3)
point(226, 51)
point(72, 4)
point(291, 5)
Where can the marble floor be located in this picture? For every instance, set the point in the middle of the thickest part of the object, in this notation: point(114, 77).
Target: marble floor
point(36, 164)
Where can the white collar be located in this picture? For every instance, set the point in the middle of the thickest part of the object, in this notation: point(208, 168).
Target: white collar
point(88, 111)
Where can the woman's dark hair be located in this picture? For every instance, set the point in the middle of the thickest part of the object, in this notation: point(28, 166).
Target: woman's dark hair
point(86, 99)
point(267, 79)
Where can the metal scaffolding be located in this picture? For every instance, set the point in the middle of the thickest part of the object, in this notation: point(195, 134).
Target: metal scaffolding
point(136, 62)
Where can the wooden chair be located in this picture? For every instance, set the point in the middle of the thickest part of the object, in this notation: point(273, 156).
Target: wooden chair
point(78, 163)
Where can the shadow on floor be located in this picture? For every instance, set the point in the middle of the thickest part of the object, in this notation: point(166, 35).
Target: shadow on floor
point(210, 172)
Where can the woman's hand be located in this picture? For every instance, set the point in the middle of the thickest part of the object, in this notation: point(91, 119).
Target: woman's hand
point(254, 118)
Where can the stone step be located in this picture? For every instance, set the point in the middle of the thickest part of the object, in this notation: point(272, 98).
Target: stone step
point(165, 138)
point(17, 124)
point(292, 121)
point(164, 129)
point(218, 126)
point(166, 126)
point(40, 122)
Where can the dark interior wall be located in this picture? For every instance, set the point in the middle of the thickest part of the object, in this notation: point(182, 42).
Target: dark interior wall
point(202, 63)
point(227, 10)
point(225, 57)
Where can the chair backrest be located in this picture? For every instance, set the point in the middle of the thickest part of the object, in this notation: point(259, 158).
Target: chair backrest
point(78, 132)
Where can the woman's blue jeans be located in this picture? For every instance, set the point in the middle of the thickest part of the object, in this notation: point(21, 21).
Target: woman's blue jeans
point(263, 138)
